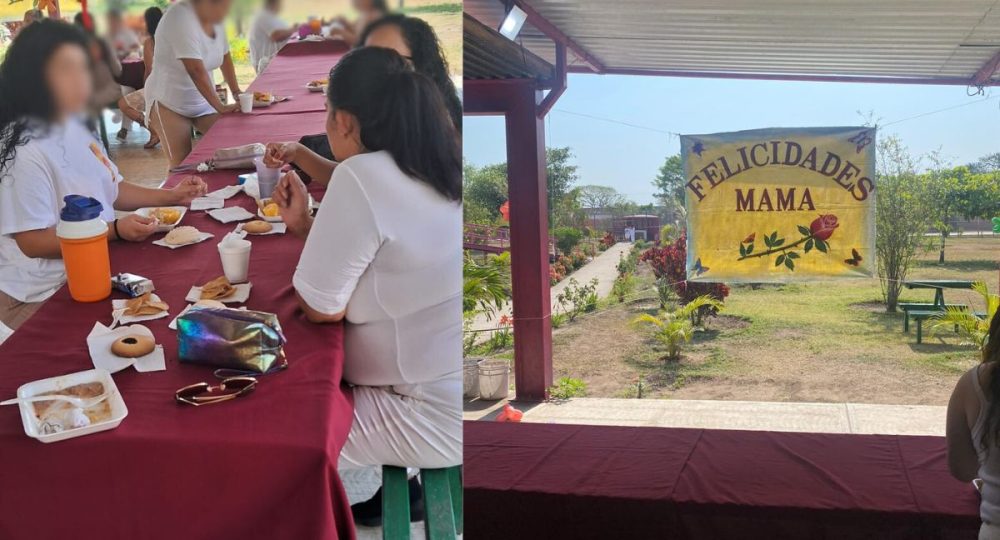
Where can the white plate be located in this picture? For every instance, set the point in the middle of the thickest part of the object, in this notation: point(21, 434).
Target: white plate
point(162, 227)
point(317, 88)
point(240, 296)
point(202, 236)
point(118, 409)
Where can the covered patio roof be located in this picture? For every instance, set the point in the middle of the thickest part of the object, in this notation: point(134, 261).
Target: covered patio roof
point(896, 41)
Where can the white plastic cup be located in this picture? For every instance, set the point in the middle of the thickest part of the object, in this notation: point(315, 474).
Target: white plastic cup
point(267, 178)
point(246, 102)
point(235, 255)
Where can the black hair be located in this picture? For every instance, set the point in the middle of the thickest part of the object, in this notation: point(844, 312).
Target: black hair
point(25, 98)
point(426, 55)
point(400, 111)
point(152, 17)
point(115, 13)
point(991, 355)
point(380, 5)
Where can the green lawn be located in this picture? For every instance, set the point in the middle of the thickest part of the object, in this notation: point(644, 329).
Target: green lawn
point(822, 341)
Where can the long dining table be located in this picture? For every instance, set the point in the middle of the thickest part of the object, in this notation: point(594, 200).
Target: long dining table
point(260, 467)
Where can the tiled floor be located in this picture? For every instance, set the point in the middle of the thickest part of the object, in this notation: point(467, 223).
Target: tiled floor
point(747, 415)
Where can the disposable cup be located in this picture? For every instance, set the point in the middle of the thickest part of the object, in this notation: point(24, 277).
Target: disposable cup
point(235, 255)
point(267, 178)
point(246, 102)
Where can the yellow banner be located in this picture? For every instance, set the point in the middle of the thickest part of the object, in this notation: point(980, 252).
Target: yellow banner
point(780, 204)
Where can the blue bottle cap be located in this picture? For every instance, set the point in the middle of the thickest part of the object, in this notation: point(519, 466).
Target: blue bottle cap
point(80, 208)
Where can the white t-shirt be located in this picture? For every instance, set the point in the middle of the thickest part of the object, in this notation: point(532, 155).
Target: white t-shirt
point(262, 47)
point(180, 35)
point(387, 248)
point(67, 160)
point(125, 43)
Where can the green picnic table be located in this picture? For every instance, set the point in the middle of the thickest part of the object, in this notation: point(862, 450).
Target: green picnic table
point(939, 285)
point(919, 311)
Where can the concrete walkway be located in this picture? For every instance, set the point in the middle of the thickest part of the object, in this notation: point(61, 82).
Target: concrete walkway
point(604, 267)
point(744, 415)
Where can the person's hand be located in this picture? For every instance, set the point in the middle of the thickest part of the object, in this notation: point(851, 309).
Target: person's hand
point(229, 108)
point(135, 228)
point(278, 154)
point(188, 189)
point(293, 203)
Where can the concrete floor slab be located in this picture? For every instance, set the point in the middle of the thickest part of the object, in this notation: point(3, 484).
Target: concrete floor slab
point(745, 415)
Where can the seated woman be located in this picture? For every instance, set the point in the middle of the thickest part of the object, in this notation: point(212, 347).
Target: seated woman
point(415, 41)
point(191, 43)
point(133, 104)
point(973, 431)
point(46, 153)
point(369, 11)
point(384, 254)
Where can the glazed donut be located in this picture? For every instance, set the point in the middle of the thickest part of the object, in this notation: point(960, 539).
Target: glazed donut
point(133, 346)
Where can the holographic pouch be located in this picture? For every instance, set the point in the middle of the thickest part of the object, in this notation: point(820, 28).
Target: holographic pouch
point(238, 340)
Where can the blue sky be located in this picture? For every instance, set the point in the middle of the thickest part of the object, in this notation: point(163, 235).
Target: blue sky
point(628, 158)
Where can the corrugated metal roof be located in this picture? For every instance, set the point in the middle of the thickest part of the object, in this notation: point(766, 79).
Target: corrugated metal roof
point(488, 55)
point(886, 38)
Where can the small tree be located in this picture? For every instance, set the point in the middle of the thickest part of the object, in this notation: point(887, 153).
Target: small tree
point(901, 217)
point(567, 238)
point(674, 328)
point(972, 328)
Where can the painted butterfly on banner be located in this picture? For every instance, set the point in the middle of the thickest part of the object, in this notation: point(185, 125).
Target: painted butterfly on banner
point(698, 268)
point(855, 258)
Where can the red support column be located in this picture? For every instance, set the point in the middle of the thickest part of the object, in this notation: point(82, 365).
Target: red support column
point(529, 252)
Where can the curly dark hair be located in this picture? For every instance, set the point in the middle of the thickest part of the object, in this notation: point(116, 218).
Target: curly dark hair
point(25, 99)
point(400, 111)
point(426, 55)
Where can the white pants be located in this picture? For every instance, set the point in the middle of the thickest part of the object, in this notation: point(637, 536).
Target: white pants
point(989, 531)
point(413, 425)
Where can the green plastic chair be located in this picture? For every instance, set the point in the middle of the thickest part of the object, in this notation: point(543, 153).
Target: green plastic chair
point(442, 503)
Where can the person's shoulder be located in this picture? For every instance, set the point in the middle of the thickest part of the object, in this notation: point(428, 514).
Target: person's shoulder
point(177, 13)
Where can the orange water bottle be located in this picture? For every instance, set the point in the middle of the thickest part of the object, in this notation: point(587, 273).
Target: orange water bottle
point(83, 238)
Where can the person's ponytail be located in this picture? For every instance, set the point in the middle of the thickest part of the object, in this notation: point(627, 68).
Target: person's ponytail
point(402, 112)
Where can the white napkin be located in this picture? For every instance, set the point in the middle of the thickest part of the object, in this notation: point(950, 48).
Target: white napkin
point(99, 343)
point(201, 238)
point(208, 202)
point(250, 185)
point(233, 213)
point(276, 228)
point(225, 192)
point(241, 295)
point(119, 317)
point(173, 323)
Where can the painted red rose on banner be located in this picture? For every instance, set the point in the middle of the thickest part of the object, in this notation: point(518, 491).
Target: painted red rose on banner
point(823, 226)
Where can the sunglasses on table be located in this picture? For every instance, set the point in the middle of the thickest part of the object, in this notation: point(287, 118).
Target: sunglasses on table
point(205, 394)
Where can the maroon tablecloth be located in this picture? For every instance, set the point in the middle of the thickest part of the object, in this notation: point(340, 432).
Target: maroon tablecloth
point(287, 76)
point(133, 72)
point(565, 481)
point(308, 48)
point(262, 467)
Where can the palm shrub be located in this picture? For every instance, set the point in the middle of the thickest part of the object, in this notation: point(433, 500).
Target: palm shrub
point(487, 286)
point(973, 329)
point(675, 327)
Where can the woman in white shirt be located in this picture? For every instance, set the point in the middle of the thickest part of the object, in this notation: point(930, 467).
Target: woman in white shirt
point(191, 43)
point(384, 254)
point(973, 431)
point(46, 153)
point(268, 33)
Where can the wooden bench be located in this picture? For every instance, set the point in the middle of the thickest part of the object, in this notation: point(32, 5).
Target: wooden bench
point(907, 307)
point(442, 490)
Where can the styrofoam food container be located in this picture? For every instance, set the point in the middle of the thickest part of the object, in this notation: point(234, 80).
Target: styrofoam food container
point(163, 227)
point(118, 409)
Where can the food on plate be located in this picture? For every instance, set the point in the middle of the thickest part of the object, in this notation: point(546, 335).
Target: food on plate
point(257, 227)
point(182, 235)
point(217, 288)
point(166, 216)
point(319, 82)
point(270, 210)
point(144, 305)
point(263, 96)
point(133, 346)
point(58, 415)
